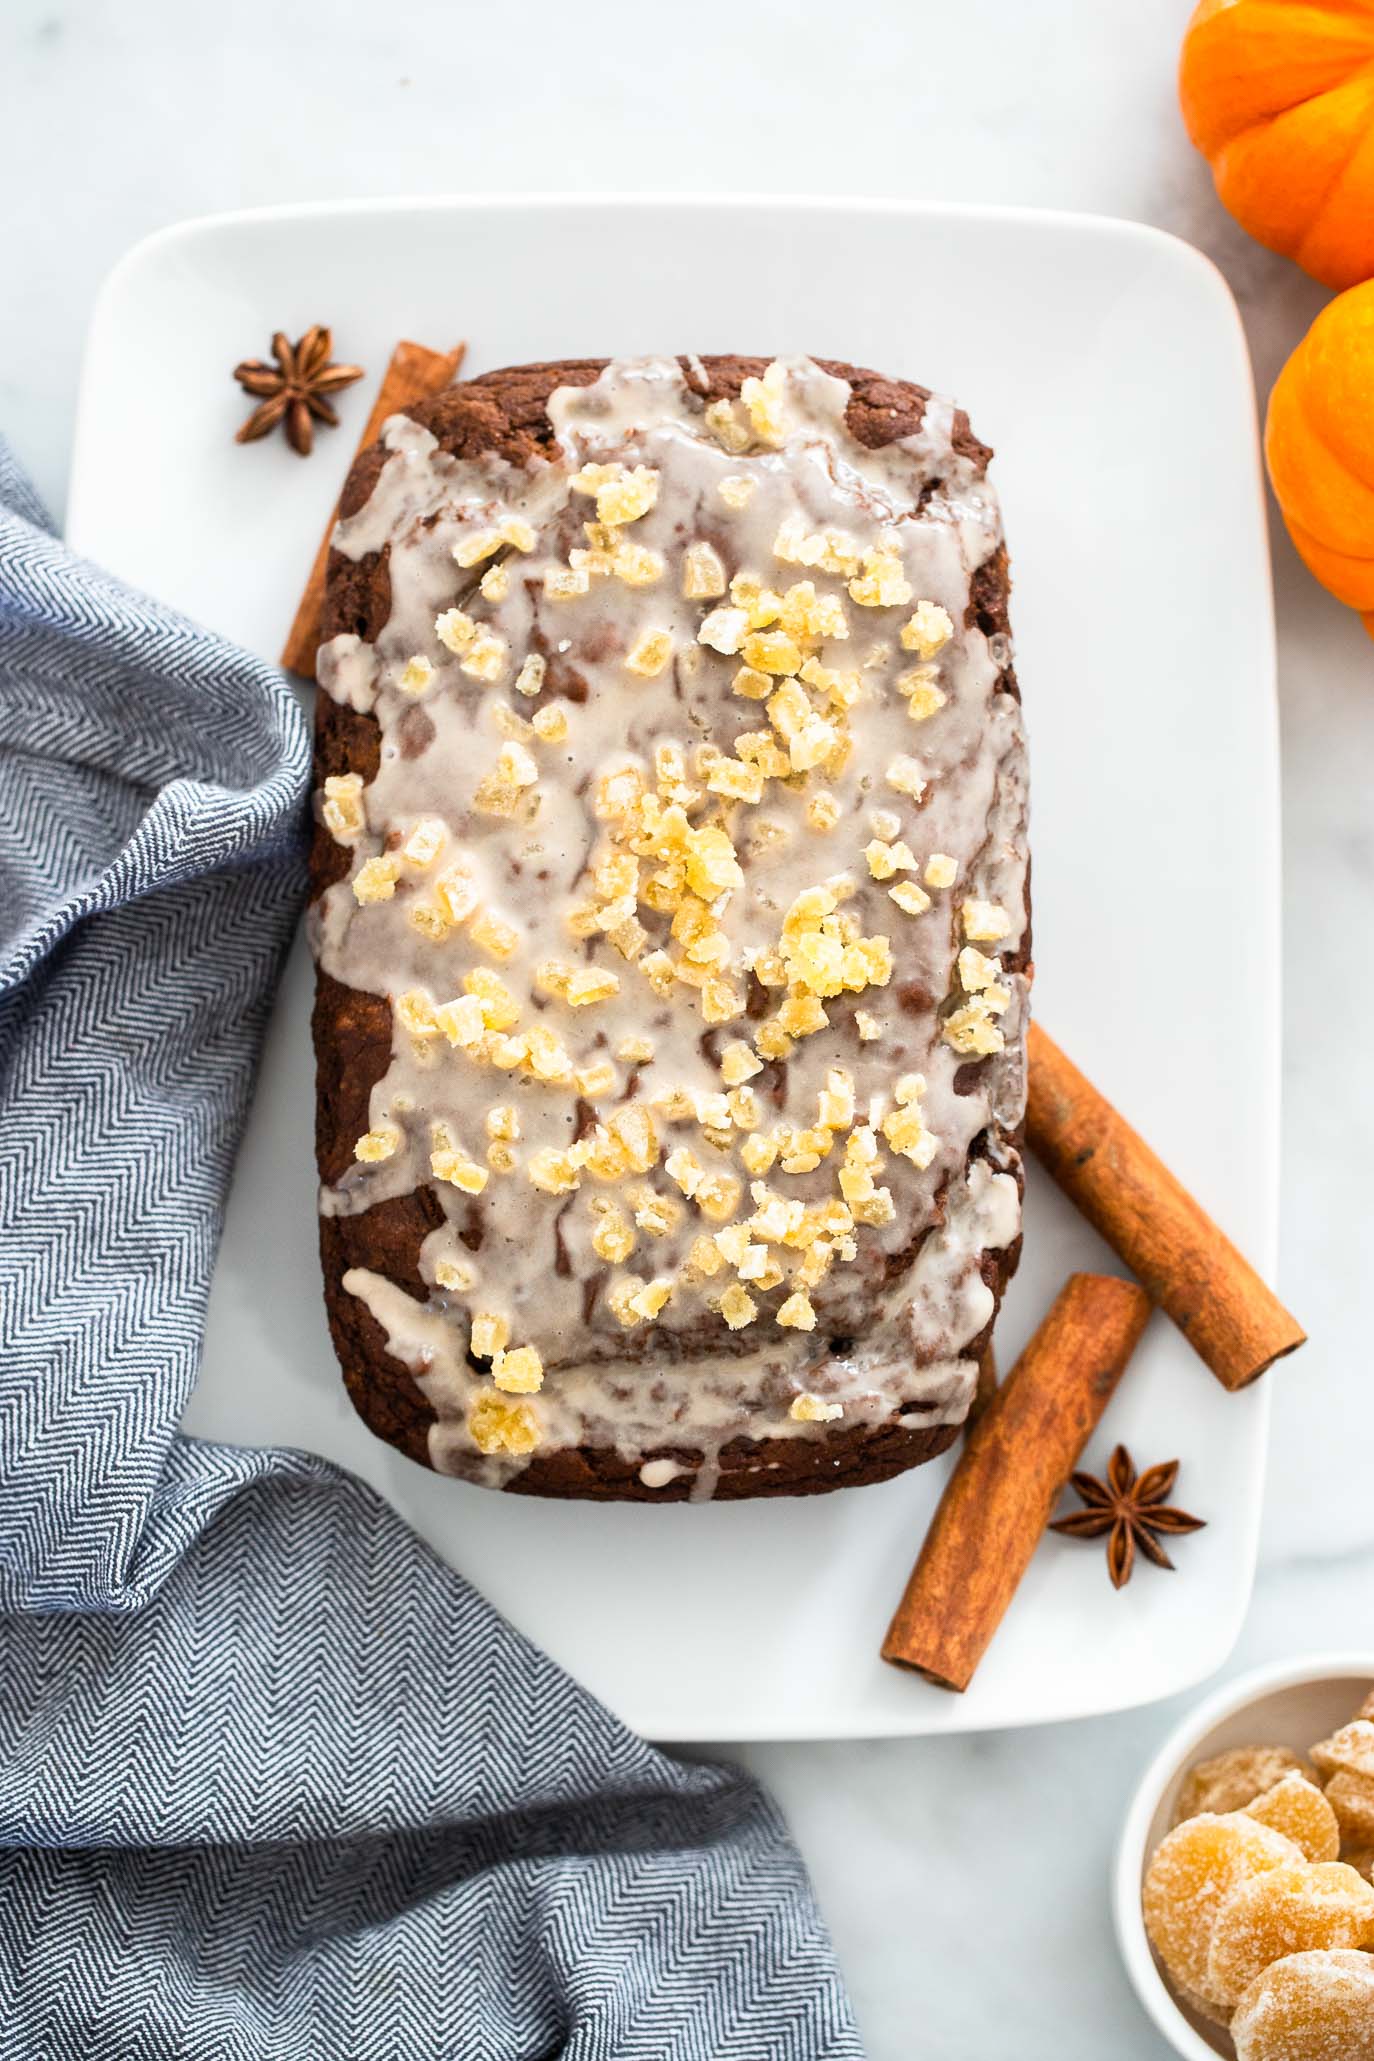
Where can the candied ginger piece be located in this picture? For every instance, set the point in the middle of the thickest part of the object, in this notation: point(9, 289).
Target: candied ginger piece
point(1297, 1808)
point(1350, 1750)
point(1286, 1911)
point(1351, 1797)
point(1316, 2006)
point(1195, 1869)
point(1231, 1780)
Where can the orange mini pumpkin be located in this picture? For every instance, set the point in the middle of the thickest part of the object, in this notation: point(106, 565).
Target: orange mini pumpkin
point(1278, 95)
point(1319, 444)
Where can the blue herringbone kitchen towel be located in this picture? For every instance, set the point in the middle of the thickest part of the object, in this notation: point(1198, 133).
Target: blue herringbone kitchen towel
point(273, 1782)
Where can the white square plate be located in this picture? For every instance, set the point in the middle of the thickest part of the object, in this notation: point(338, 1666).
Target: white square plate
point(1106, 364)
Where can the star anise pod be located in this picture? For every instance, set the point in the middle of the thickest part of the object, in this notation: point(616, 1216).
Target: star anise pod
point(1129, 1510)
point(293, 390)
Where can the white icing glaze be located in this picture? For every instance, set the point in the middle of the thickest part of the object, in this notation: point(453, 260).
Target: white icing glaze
point(682, 1382)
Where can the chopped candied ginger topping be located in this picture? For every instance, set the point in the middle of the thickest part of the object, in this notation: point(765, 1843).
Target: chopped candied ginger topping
point(717, 1196)
point(886, 859)
point(555, 1173)
point(941, 870)
point(550, 725)
point(735, 780)
point(810, 1409)
point(923, 697)
point(477, 546)
point(341, 812)
point(984, 922)
point(821, 961)
point(613, 1238)
point(490, 1332)
point(796, 1313)
point(910, 899)
point(883, 582)
point(830, 550)
point(425, 842)
point(518, 533)
point(375, 880)
point(822, 810)
point(738, 1307)
point(656, 1215)
point(836, 1101)
point(457, 1275)
point(499, 1426)
point(763, 401)
point(530, 678)
point(976, 971)
point(868, 1026)
point(927, 630)
point(649, 654)
point(459, 1171)
point(495, 582)
point(377, 1144)
point(592, 984)
point(503, 1121)
point(973, 1029)
point(726, 425)
point(636, 566)
point(499, 1008)
point(566, 582)
point(724, 630)
point(449, 1162)
point(752, 685)
point(736, 490)
point(703, 575)
point(414, 1011)
point(771, 651)
point(417, 676)
point(498, 791)
point(455, 630)
point(519, 1371)
point(647, 1301)
point(904, 773)
point(622, 495)
point(738, 1064)
point(486, 657)
point(904, 1126)
point(508, 724)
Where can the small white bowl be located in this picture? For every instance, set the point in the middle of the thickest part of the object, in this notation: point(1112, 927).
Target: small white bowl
point(1292, 1703)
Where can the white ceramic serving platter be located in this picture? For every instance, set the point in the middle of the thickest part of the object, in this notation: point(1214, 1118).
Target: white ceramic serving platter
point(1106, 363)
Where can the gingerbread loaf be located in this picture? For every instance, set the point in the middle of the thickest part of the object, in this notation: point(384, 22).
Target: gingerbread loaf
point(670, 906)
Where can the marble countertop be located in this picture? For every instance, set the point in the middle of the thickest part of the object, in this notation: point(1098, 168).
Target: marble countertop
point(965, 1879)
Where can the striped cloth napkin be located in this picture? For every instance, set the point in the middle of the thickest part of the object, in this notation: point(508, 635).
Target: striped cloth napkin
point(273, 1781)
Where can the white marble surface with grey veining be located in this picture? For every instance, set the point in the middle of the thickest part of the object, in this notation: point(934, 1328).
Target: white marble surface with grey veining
point(965, 1879)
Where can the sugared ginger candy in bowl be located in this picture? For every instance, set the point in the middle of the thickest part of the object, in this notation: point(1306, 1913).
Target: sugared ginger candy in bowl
point(1228, 1781)
point(1259, 1904)
point(1316, 2006)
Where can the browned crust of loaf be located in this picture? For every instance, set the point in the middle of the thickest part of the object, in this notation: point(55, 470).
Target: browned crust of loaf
point(505, 412)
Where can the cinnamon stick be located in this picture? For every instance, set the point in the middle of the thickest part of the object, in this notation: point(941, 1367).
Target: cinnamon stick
point(1014, 1465)
point(1225, 1311)
point(414, 373)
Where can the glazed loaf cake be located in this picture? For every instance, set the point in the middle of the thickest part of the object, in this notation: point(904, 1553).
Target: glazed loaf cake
point(671, 919)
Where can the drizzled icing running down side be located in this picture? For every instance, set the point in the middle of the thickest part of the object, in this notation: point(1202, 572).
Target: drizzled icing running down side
point(693, 871)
